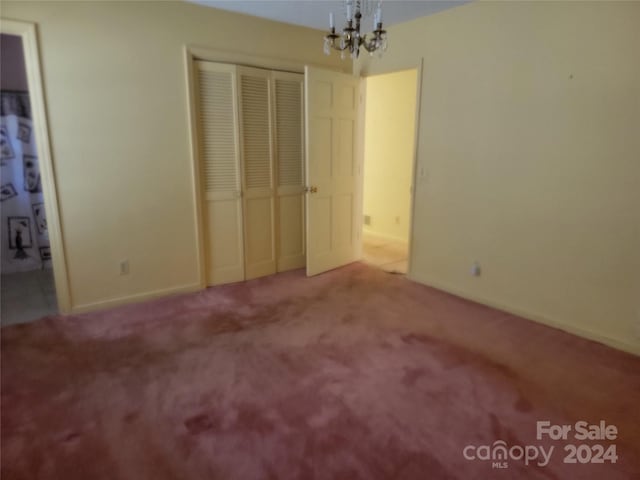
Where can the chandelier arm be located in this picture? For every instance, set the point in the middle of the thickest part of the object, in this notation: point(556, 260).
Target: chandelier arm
point(332, 37)
point(341, 49)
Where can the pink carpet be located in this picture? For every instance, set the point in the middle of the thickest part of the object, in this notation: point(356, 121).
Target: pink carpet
point(354, 374)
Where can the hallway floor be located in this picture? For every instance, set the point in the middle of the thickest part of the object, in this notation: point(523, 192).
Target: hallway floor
point(388, 255)
point(27, 296)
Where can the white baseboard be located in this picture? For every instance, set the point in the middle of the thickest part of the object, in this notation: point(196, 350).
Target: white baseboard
point(138, 297)
point(578, 331)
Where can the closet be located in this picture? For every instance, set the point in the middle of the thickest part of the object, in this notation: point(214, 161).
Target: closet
point(251, 148)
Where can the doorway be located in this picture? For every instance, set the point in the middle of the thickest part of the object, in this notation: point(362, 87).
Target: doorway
point(27, 283)
point(389, 143)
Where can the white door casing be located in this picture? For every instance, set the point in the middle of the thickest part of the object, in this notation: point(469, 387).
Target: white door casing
point(331, 105)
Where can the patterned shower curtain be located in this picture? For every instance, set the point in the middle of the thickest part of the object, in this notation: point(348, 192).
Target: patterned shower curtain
point(25, 241)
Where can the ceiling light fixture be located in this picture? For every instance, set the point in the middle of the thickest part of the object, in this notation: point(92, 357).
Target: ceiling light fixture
point(351, 40)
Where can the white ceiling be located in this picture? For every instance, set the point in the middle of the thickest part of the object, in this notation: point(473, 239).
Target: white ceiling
point(315, 13)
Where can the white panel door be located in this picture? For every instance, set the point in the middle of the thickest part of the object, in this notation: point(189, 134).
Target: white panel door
point(331, 110)
point(288, 95)
point(258, 179)
point(220, 160)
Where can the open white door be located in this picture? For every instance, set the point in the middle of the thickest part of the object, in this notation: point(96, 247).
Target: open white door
point(331, 101)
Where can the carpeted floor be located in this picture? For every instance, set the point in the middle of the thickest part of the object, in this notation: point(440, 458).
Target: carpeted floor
point(354, 374)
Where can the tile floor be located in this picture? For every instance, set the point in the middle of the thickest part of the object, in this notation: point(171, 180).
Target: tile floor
point(27, 296)
point(389, 255)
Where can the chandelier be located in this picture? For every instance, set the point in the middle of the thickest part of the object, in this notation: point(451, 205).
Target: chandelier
point(350, 40)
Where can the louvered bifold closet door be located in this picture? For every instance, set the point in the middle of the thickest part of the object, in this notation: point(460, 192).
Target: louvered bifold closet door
point(258, 171)
point(287, 91)
point(219, 152)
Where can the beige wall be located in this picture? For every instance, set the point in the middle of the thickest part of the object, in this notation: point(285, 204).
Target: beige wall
point(389, 142)
point(116, 93)
point(530, 139)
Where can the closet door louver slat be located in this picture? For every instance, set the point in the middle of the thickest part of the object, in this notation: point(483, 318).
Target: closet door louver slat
point(289, 131)
point(219, 142)
point(256, 131)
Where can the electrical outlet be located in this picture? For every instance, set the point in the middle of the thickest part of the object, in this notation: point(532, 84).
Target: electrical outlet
point(367, 219)
point(124, 267)
point(397, 220)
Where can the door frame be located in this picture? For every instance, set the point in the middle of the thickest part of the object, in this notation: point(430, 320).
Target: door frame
point(418, 67)
point(28, 32)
